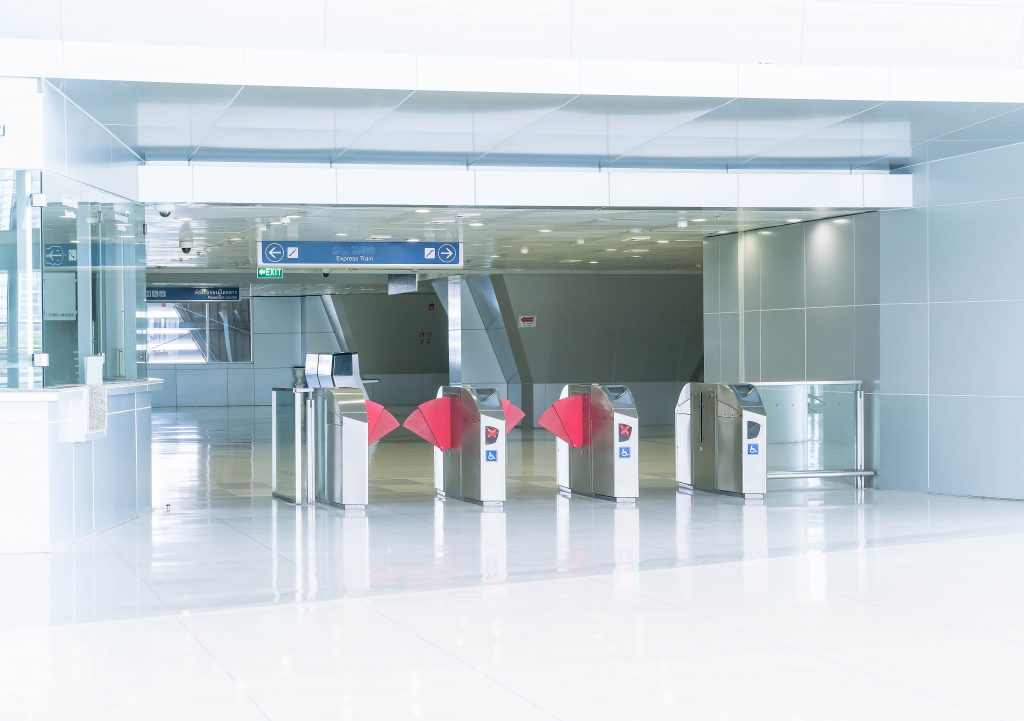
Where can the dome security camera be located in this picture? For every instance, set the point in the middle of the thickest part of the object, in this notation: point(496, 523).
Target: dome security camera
point(326, 273)
point(165, 209)
point(185, 245)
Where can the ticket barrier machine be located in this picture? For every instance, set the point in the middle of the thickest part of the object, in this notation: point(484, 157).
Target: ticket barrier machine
point(333, 370)
point(321, 434)
point(597, 451)
point(721, 434)
point(468, 427)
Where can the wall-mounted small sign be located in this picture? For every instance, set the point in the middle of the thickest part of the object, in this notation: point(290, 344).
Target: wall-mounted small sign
point(527, 321)
point(179, 293)
point(277, 273)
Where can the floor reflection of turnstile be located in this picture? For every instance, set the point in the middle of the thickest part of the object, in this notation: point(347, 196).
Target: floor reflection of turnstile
point(597, 451)
point(473, 469)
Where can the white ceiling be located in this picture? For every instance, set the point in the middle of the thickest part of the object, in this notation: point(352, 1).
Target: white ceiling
point(199, 123)
point(579, 239)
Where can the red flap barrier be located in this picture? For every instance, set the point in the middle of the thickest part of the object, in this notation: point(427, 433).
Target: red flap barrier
point(379, 422)
point(432, 422)
point(568, 419)
point(512, 414)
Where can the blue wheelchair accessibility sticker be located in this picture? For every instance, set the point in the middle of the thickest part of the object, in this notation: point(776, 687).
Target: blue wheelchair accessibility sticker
point(492, 455)
point(624, 452)
point(752, 449)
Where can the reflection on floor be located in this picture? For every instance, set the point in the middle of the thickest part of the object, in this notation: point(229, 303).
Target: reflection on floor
point(227, 604)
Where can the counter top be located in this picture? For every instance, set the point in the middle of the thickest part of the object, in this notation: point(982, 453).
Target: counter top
point(21, 395)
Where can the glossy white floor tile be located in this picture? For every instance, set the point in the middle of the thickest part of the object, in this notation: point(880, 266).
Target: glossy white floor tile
point(226, 604)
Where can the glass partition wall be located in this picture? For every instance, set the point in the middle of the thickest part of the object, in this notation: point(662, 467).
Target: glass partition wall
point(72, 281)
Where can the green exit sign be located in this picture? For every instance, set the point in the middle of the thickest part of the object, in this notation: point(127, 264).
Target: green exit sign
point(270, 272)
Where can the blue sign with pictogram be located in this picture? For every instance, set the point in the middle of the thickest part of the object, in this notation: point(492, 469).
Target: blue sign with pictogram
point(625, 452)
point(359, 254)
point(752, 449)
point(492, 455)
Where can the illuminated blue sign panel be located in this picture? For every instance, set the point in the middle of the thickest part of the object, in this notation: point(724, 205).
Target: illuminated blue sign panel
point(367, 254)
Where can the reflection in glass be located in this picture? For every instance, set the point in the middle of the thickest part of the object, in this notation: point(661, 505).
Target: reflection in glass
point(199, 332)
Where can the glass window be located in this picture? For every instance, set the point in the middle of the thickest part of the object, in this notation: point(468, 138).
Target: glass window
point(199, 332)
point(93, 282)
point(20, 290)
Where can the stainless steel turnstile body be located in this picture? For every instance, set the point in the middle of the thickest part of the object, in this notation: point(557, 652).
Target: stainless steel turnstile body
point(473, 469)
point(720, 439)
point(341, 448)
point(607, 465)
point(291, 444)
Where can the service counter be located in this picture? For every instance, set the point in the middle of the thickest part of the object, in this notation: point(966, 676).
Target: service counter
point(76, 461)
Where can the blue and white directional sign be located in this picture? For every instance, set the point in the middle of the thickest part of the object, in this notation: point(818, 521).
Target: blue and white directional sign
point(61, 255)
point(191, 293)
point(367, 254)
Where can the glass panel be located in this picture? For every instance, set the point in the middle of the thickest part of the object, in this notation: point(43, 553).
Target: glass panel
point(811, 427)
point(93, 282)
point(287, 443)
point(200, 332)
point(20, 286)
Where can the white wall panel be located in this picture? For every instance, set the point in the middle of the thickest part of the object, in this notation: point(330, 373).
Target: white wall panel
point(541, 187)
point(165, 183)
point(888, 191)
point(957, 84)
point(405, 186)
point(273, 184)
point(329, 69)
point(154, 63)
point(35, 58)
point(667, 189)
point(834, 82)
point(202, 386)
point(503, 75)
point(22, 144)
point(657, 78)
point(800, 190)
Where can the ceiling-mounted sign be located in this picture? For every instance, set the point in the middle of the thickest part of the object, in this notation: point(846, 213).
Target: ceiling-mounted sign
point(399, 283)
point(527, 321)
point(275, 273)
point(367, 254)
point(194, 293)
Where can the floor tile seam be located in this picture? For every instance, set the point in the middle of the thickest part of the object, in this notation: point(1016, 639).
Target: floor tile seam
point(806, 652)
point(1017, 644)
point(465, 663)
point(178, 619)
point(326, 582)
point(895, 565)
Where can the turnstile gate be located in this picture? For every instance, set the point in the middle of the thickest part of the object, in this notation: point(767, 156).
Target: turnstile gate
point(468, 427)
point(597, 451)
point(342, 447)
point(720, 439)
